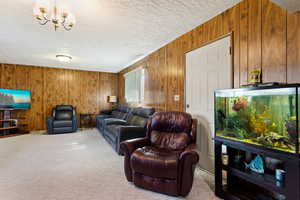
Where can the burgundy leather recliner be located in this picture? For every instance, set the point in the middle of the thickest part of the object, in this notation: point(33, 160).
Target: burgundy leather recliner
point(164, 161)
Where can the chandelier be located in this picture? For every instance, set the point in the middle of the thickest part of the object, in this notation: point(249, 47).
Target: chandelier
point(57, 16)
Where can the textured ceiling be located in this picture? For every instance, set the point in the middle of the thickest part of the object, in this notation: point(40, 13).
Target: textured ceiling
point(109, 34)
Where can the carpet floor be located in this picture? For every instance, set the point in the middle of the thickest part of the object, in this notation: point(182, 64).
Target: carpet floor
point(77, 166)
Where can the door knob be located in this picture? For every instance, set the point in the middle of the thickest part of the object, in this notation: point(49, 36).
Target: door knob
point(187, 105)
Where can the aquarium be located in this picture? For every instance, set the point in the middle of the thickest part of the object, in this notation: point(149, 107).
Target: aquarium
point(265, 116)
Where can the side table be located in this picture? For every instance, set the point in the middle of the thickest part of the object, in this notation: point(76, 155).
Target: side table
point(87, 120)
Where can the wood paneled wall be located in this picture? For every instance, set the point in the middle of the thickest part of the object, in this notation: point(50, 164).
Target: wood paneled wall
point(264, 36)
point(86, 90)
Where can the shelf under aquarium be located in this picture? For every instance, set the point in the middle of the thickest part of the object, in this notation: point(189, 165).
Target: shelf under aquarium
point(266, 181)
point(287, 189)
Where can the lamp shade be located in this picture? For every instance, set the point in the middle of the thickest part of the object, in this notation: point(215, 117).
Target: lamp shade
point(112, 99)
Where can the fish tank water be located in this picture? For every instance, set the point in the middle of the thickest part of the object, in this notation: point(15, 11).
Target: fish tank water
point(265, 116)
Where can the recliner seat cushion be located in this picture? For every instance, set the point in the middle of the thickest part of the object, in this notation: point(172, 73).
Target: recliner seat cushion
point(62, 123)
point(170, 141)
point(155, 162)
point(62, 129)
point(63, 115)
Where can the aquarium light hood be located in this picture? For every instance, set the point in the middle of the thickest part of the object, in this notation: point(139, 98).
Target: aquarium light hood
point(241, 92)
point(292, 6)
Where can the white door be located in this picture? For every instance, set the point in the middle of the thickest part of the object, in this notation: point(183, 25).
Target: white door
point(207, 69)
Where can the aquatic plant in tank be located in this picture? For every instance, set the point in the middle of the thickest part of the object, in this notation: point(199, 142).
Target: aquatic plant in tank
point(261, 116)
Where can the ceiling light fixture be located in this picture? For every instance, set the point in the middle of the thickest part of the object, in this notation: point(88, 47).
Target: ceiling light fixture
point(64, 58)
point(59, 17)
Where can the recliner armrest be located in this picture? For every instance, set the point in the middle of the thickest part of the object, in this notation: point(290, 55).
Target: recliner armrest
point(128, 147)
point(74, 123)
point(188, 160)
point(50, 125)
point(191, 153)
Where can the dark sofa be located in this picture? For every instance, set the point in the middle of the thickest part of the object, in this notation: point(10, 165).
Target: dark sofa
point(133, 126)
point(63, 120)
point(119, 112)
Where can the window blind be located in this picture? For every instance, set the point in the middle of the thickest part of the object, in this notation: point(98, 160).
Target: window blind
point(134, 85)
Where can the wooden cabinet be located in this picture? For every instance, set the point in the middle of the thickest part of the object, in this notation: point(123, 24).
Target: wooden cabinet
point(243, 184)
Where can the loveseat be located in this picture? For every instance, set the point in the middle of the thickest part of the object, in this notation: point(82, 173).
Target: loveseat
point(118, 112)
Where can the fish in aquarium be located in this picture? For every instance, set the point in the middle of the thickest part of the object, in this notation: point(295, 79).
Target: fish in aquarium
point(291, 127)
point(239, 104)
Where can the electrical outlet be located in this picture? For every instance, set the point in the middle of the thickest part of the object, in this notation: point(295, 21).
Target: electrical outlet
point(176, 97)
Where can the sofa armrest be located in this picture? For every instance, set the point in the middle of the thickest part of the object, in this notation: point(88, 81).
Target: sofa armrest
point(128, 147)
point(103, 116)
point(106, 112)
point(114, 121)
point(188, 160)
point(131, 132)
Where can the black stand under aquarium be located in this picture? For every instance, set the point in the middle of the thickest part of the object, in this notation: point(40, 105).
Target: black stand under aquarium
point(257, 143)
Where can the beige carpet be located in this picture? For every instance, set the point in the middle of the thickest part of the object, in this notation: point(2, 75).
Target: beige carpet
point(78, 166)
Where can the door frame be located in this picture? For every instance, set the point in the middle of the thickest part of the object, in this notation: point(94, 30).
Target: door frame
point(231, 35)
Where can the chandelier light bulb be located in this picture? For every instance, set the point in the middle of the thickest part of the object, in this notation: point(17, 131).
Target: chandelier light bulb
point(37, 13)
point(70, 20)
point(43, 5)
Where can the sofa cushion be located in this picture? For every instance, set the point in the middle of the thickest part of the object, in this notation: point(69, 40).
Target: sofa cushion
point(144, 112)
point(115, 121)
point(118, 115)
point(135, 120)
point(171, 141)
point(62, 123)
point(63, 115)
point(123, 108)
point(155, 162)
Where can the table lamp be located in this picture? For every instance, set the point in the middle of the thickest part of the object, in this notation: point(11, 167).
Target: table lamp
point(112, 99)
